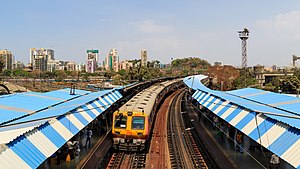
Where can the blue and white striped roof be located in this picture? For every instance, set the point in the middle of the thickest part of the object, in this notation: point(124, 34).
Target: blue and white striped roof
point(30, 149)
point(263, 123)
point(14, 106)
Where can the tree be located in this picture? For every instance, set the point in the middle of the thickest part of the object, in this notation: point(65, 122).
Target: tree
point(1, 66)
point(60, 75)
point(20, 72)
point(244, 81)
point(290, 84)
point(223, 76)
point(117, 79)
point(8, 72)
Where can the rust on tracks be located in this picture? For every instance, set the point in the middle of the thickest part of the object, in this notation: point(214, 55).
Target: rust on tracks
point(158, 156)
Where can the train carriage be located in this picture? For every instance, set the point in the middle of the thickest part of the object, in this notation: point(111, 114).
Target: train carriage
point(132, 123)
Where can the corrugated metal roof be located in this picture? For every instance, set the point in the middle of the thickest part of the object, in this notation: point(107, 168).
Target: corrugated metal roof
point(29, 150)
point(261, 115)
point(280, 138)
point(61, 108)
point(284, 102)
point(17, 127)
point(14, 106)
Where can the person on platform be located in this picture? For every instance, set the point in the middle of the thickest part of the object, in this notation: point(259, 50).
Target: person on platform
point(239, 142)
point(88, 138)
point(70, 146)
point(275, 162)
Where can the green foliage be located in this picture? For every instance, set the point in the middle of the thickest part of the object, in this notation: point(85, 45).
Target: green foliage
point(297, 73)
point(1, 66)
point(59, 75)
point(20, 72)
point(191, 62)
point(8, 73)
point(122, 72)
point(244, 81)
point(290, 84)
point(188, 66)
point(117, 79)
point(109, 74)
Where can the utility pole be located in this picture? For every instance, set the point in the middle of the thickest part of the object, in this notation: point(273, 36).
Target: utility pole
point(244, 35)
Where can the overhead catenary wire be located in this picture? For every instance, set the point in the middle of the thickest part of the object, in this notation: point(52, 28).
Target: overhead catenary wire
point(260, 142)
point(231, 138)
point(294, 116)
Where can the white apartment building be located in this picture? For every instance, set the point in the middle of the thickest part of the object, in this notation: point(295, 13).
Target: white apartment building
point(39, 58)
point(91, 60)
point(112, 61)
point(144, 57)
point(7, 58)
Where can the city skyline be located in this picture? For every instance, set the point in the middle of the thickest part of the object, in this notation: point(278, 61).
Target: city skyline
point(169, 29)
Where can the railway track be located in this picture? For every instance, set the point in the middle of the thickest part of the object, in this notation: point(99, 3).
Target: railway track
point(158, 156)
point(184, 152)
point(126, 160)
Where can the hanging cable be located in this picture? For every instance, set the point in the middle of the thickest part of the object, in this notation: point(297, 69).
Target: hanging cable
point(260, 140)
point(231, 138)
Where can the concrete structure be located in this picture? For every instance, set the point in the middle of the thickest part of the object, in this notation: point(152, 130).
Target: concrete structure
point(112, 60)
point(70, 66)
point(19, 65)
point(91, 60)
point(80, 67)
point(7, 58)
point(217, 63)
point(144, 57)
point(265, 75)
point(126, 65)
point(53, 65)
point(39, 58)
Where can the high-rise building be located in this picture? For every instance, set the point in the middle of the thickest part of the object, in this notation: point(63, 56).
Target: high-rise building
point(7, 58)
point(91, 60)
point(144, 57)
point(112, 60)
point(39, 58)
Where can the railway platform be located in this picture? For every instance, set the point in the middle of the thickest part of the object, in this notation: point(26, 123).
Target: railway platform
point(224, 149)
point(51, 163)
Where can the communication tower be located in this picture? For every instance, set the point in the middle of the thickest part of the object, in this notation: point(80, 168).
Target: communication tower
point(244, 35)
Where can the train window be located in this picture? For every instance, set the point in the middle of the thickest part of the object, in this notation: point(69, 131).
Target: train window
point(120, 123)
point(138, 123)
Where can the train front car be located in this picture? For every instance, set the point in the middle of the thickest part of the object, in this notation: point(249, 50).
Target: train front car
point(130, 130)
point(132, 123)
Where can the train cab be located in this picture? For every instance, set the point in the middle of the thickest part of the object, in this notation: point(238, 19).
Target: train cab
point(130, 130)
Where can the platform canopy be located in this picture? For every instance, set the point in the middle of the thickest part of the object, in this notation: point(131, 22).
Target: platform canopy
point(271, 119)
point(31, 139)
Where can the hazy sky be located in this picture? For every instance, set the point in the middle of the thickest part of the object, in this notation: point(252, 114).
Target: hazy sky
point(166, 28)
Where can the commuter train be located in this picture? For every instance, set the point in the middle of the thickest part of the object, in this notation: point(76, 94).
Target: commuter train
point(132, 123)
